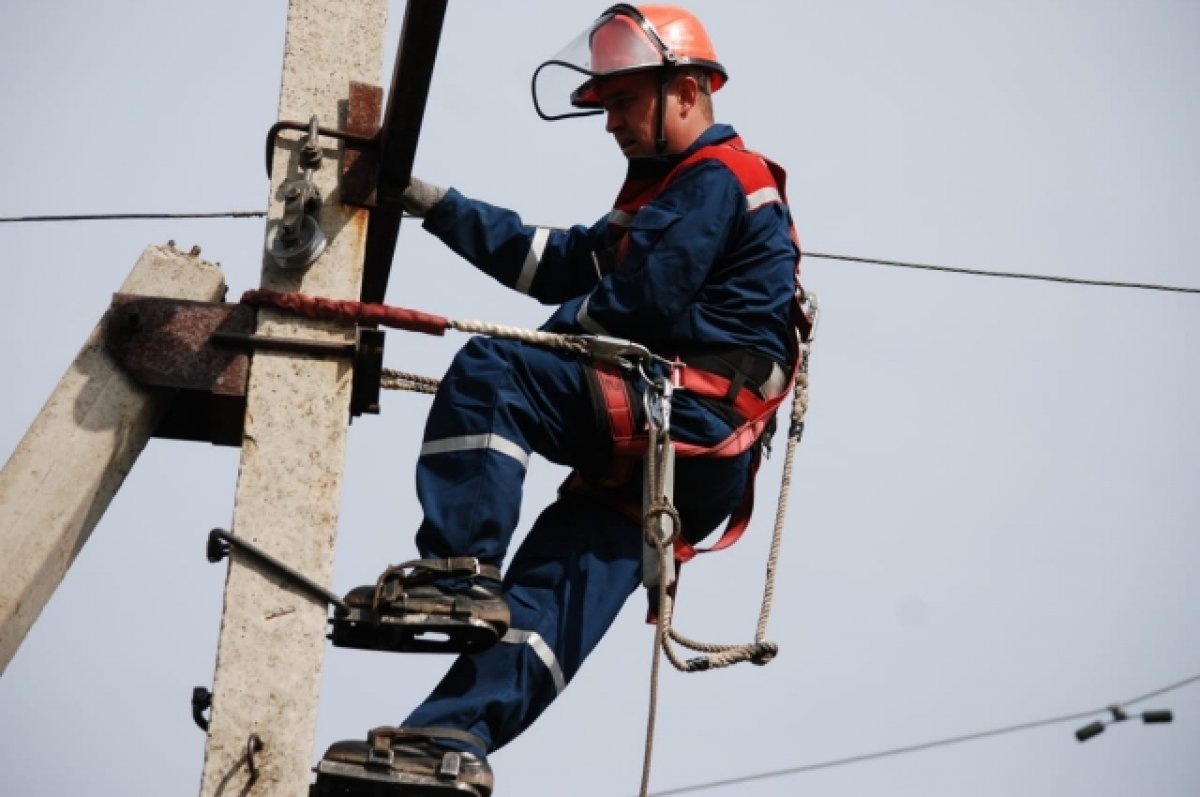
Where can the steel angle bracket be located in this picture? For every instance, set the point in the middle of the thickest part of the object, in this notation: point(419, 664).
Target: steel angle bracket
point(198, 353)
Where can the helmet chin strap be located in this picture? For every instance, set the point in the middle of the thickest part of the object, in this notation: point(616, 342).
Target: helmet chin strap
point(660, 140)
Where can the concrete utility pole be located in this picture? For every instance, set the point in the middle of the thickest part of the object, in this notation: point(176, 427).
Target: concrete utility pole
point(272, 638)
point(51, 500)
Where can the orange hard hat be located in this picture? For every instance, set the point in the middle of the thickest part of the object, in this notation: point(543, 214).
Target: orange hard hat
point(630, 38)
point(624, 39)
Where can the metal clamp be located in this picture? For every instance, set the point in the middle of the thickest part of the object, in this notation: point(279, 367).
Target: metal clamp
point(366, 351)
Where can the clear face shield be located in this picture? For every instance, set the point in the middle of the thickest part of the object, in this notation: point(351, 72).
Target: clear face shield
point(620, 41)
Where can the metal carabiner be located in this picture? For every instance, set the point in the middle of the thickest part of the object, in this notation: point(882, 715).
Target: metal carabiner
point(657, 402)
point(625, 354)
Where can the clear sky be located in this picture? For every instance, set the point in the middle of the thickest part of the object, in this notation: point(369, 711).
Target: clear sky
point(995, 507)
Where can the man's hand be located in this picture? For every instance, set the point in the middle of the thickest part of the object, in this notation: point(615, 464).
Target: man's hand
point(420, 196)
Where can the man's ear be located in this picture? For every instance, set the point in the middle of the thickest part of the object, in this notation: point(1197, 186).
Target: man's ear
point(687, 88)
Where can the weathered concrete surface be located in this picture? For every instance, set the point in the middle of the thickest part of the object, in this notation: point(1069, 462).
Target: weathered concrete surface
point(71, 462)
point(272, 639)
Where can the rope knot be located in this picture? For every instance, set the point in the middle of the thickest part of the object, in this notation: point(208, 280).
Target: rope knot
point(764, 652)
point(658, 508)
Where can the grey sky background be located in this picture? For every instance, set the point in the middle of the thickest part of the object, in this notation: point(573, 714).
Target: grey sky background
point(995, 506)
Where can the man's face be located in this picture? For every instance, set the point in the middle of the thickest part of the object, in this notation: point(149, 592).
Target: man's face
point(630, 104)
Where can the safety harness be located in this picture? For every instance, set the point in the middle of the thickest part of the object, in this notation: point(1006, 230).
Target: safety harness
point(724, 382)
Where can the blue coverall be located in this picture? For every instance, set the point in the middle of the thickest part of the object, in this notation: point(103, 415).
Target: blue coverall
point(700, 269)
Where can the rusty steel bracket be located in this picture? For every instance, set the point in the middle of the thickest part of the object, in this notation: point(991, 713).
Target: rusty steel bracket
point(359, 173)
point(164, 344)
point(199, 354)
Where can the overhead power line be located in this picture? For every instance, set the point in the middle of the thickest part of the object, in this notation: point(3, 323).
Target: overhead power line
point(228, 214)
point(913, 748)
point(974, 272)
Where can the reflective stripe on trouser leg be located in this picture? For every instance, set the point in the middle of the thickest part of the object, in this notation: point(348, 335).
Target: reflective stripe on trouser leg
point(565, 586)
point(499, 402)
point(472, 442)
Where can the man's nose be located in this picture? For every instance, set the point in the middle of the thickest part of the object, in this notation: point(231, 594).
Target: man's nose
point(610, 122)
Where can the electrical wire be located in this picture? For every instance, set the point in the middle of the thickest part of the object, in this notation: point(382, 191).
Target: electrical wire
point(913, 748)
point(228, 214)
point(975, 272)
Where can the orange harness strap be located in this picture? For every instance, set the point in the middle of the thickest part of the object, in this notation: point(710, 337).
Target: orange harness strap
point(629, 444)
point(627, 441)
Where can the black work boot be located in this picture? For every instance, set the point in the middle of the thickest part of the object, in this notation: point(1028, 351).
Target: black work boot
point(426, 606)
point(404, 762)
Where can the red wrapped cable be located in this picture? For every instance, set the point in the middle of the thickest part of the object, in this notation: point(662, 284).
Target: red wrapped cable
point(350, 311)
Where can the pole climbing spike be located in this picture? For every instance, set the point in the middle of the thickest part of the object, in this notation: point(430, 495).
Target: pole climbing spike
point(402, 762)
point(408, 610)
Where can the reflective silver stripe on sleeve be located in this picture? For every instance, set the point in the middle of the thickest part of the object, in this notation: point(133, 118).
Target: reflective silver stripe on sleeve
point(762, 197)
point(534, 640)
point(472, 442)
point(586, 321)
point(533, 259)
point(620, 218)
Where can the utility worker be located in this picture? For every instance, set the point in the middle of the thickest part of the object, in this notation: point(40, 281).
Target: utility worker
point(698, 262)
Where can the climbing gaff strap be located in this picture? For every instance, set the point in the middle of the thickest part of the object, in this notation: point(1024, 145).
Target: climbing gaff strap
point(661, 523)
